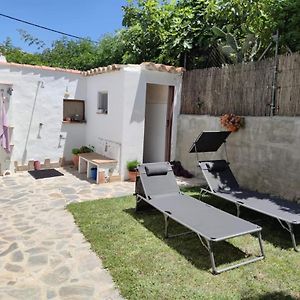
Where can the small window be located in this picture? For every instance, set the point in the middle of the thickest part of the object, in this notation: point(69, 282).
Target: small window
point(102, 103)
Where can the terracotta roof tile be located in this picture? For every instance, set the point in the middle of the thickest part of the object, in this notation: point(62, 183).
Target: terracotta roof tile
point(146, 65)
point(161, 67)
point(40, 67)
point(102, 70)
point(115, 67)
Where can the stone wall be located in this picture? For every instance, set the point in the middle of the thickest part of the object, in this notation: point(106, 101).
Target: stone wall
point(264, 155)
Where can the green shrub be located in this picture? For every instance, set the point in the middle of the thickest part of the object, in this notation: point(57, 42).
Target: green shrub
point(83, 149)
point(86, 149)
point(75, 151)
point(132, 165)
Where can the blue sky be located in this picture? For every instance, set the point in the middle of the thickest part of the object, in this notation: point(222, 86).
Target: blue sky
point(91, 18)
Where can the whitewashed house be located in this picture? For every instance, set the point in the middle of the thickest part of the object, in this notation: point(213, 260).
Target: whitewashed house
point(125, 111)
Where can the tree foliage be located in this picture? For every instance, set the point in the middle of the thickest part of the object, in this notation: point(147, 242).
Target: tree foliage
point(186, 36)
point(287, 16)
point(177, 32)
point(71, 54)
point(180, 32)
point(231, 49)
point(14, 54)
point(146, 23)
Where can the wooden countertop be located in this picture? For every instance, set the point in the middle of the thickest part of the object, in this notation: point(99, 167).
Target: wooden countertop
point(97, 158)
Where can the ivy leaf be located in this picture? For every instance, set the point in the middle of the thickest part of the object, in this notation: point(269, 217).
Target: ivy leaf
point(218, 32)
point(228, 50)
point(248, 43)
point(187, 45)
point(231, 41)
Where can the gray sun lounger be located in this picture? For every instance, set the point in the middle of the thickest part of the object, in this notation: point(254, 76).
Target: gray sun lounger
point(156, 187)
point(223, 184)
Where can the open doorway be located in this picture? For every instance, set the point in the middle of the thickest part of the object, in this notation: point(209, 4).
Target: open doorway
point(158, 122)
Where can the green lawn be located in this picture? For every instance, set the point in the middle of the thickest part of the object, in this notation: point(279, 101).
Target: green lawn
point(145, 265)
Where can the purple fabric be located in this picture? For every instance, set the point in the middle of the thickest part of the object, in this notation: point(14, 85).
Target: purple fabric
point(4, 134)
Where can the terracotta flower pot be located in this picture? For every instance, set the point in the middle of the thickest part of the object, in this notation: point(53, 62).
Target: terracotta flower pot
point(132, 175)
point(232, 128)
point(75, 160)
point(37, 165)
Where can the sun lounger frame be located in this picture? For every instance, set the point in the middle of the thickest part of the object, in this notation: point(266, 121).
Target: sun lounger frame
point(210, 141)
point(143, 197)
point(240, 204)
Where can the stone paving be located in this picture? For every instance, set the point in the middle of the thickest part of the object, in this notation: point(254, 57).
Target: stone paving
point(42, 253)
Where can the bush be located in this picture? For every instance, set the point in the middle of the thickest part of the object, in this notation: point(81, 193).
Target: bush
point(132, 165)
point(83, 149)
point(75, 151)
point(86, 149)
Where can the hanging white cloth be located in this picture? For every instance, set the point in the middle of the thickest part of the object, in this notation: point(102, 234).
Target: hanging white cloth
point(4, 127)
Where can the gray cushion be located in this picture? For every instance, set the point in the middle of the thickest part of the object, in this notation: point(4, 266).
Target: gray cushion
point(156, 170)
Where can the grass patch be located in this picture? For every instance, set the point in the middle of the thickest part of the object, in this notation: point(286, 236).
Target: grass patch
point(146, 266)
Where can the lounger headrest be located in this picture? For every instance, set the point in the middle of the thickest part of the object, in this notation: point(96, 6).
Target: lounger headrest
point(217, 166)
point(156, 170)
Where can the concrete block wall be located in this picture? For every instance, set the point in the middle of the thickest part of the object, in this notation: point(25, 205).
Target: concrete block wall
point(264, 155)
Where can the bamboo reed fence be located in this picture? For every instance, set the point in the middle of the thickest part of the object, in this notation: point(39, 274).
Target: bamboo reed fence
point(244, 89)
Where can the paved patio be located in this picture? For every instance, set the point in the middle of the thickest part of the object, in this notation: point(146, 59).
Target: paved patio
point(42, 253)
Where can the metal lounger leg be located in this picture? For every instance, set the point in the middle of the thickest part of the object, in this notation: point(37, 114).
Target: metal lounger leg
point(215, 271)
point(293, 237)
point(167, 218)
point(290, 230)
point(238, 210)
point(203, 192)
point(180, 234)
point(200, 194)
point(138, 199)
point(212, 257)
point(166, 225)
point(261, 244)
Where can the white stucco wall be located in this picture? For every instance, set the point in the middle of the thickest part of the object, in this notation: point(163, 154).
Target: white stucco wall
point(38, 98)
point(118, 134)
point(104, 131)
point(135, 82)
point(74, 136)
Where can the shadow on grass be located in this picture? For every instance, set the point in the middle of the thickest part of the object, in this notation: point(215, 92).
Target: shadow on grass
point(272, 231)
point(187, 245)
point(273, 295)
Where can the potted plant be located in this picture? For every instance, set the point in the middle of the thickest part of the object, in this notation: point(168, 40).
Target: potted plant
point(86, 149)
point(75, 158)
point(82, 149)
point(132, 169)
point(231, 122)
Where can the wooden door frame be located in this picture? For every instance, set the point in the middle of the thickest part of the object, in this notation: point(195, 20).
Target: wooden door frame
point(169, 122)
